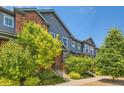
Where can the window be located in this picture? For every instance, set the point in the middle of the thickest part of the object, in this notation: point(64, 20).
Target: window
point(73, 44)
point(91, 50)
point(53, 34)
point(65, 41)
point(8, 21)
point(86, 48)
point(79, 46)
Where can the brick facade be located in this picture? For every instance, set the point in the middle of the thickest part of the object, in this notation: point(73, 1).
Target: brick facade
point(20, 19)
point(59, 62)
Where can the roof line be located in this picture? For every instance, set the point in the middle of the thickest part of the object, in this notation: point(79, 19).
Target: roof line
point(35, 10)
point(85, 41)
point(7, 11)
point(53, 11)
point(22, 10)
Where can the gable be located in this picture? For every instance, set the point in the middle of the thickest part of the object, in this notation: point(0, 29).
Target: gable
point(21, 18)
point(90, 40)
point(55, 24)
point(32, 14)
point(4, 10)
point(54, 16)
point(62, 23)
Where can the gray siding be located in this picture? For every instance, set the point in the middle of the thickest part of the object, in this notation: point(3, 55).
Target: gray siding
point(76, 46)
point(58, 28)
point(89, 50)
point(4, 28)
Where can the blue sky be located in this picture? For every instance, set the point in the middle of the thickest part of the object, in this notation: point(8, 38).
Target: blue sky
point(87, 21)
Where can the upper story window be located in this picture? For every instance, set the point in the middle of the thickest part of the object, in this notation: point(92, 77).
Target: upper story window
point(86, 48)
point(79, 46)
point(53, 34)
point(91, 50)
point(65, 41)
point(8, 21)
point(73, 44)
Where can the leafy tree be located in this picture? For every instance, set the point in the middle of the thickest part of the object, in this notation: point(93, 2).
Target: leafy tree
point(43, 47)
point(110, 56)
point(115, 40)
point(79, 64)
point(15, 61)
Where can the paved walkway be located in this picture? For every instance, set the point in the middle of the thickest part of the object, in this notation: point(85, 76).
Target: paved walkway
point(81, 81)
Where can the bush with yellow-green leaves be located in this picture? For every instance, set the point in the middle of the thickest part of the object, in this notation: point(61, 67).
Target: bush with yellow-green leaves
point(15, 61)
point(32, 51)
point(32, 81)
point(43, 47)
point(74, 75)
point(8, 82)
point(79, 64)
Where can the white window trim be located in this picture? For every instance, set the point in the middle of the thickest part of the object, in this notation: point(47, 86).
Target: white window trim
point(66, 40)
point(73, 44)
point(92, 49)
point(10, 17)
point(86, 48)
point(79, 46)
point(53, 34)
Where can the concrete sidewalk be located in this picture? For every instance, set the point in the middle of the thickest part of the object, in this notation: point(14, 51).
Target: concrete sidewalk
point(81, 81)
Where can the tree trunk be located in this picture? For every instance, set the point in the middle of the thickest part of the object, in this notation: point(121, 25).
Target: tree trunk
point(22, 81)
point(113, 78)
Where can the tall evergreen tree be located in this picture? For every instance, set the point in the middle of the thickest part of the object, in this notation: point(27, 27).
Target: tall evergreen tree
point(110, 58)
point(115, 40)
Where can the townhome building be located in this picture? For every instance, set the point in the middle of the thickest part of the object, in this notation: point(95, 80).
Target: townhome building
point(12, 22)
point(70, 43)
point(7, 24)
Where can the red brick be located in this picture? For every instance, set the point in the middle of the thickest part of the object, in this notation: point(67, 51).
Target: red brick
point(21, 19)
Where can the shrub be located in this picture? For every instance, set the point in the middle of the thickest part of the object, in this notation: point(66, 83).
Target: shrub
point(46, 74)
point(15, 61)
point(43, 47)
point(7, 82)
point(74, 75)
point(79, 64)
point(48, 77)
point(52, 81)
point(98, 73)
point(31, 81)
